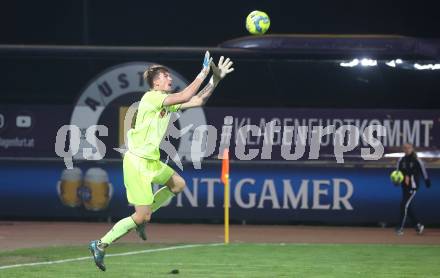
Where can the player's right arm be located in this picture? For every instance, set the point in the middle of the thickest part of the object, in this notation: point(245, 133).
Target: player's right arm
point(223, 68)
point(186, 94)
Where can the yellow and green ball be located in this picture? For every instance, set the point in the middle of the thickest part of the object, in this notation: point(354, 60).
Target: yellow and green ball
point(396, 177)
point(257, 23)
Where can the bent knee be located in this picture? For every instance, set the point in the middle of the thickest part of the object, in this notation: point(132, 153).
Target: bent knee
point(179, 185)
point(141, 217)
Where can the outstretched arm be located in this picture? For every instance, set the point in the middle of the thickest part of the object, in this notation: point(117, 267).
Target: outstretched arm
point(218, 73)
point(186, 94)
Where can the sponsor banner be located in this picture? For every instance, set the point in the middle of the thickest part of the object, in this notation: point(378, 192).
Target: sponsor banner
point(33, 131)
point(284, 126)
point(259, 193)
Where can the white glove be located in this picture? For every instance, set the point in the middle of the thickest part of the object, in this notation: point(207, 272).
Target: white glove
point(222, 69)
point(207, 61)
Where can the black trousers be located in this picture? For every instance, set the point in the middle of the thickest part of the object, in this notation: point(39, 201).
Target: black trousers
point(406, 206)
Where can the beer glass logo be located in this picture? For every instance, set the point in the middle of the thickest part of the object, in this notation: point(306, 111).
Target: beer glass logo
point(67, 187)
point(97, 191)
point(94, 192)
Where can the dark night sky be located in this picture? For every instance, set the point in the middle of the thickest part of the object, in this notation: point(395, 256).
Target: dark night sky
point(202, 23)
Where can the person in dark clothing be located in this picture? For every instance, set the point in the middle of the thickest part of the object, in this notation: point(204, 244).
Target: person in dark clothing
point(413, 170)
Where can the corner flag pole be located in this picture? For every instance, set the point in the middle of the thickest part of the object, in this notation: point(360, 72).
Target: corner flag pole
point(225, 180)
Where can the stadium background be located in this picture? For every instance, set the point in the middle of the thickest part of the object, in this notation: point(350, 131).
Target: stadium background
point(52, 52)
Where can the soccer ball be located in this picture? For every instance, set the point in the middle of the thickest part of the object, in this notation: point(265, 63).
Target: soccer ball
point(396, 177)
point(257, 23)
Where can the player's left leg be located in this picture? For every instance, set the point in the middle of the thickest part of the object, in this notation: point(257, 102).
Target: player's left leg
point(173, 182)
point(173, 186)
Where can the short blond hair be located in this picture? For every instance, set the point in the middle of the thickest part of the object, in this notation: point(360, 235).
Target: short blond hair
point(151, 73)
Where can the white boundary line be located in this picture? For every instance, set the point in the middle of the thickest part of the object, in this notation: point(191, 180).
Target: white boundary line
point(111, 255)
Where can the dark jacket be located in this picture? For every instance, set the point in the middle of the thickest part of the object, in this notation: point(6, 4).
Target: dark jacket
point(412, 166)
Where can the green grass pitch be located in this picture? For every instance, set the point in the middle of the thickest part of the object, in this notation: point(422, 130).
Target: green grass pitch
point(234, 260)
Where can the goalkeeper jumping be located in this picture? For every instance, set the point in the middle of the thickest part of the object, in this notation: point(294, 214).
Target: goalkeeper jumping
point(142, 165)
